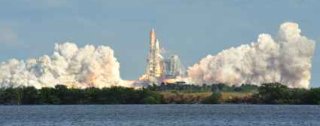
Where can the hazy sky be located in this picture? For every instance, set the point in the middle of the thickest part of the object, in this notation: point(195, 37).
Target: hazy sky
point(189, 28)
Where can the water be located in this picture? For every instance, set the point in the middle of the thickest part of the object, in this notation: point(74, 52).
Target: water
point(160, 115)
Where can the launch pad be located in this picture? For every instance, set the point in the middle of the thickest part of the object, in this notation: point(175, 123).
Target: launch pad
point(161, 69)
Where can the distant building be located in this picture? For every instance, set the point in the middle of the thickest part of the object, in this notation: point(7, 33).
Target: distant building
point(173, 67)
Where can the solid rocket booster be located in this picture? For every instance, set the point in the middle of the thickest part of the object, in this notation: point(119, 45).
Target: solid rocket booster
point(152, 39)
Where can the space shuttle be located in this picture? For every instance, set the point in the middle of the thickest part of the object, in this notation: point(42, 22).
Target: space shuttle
point(160, 69)
point(154, 68)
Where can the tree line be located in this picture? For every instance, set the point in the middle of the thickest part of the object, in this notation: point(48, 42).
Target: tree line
point(269, 93)
point(272, 93)
point(203, 88)
point(276, 93)
point(60, 94)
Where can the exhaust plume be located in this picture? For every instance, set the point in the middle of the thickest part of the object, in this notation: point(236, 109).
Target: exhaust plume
point(285, 59)
point(69, 65)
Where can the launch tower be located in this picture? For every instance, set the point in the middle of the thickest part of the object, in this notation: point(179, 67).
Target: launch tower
point(160, 69)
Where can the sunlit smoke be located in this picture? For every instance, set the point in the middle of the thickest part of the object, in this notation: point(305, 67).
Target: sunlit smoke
point(285, 59)
point(70, 65)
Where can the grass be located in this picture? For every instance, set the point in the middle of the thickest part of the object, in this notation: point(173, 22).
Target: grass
point(226, 96)
point(182, 97)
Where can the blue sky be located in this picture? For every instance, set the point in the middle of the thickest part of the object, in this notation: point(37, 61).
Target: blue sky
point(190, 28)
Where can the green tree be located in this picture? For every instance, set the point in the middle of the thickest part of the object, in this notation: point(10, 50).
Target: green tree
point(313, 96)
point(91, 95)
point(29, 95)
point(10, 96)
point(272, 93)
point(49, 96)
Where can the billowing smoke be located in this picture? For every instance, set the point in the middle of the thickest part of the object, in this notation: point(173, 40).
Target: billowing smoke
point(70, 65)
point(285, 59)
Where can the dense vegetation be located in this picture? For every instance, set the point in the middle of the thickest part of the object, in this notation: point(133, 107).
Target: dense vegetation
point(204, 88)
point(275, 93)
point(62, 95)
point(271, 93)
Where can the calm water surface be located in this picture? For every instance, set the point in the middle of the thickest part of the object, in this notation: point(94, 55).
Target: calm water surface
point(160, 115)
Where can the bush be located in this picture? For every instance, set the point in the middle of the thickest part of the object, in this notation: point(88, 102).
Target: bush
point(214, 98)
point(150, 100)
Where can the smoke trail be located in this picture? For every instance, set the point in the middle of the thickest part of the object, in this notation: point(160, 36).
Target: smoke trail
point(285, 59)
point(69, 65)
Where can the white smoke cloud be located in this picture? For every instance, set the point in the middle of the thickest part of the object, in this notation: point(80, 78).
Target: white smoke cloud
point(69, 65)
point(285, 59)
